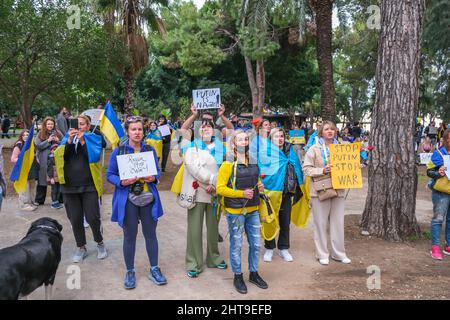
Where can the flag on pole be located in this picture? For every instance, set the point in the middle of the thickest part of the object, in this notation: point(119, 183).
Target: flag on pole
point(19, 174)
point(110, 126)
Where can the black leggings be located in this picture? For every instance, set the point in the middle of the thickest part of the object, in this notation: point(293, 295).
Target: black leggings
point(285, 221)
point(77, 206)
point(165, 155)
point(130, 229)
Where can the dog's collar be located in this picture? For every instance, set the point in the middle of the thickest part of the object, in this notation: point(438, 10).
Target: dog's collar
point(47, 227)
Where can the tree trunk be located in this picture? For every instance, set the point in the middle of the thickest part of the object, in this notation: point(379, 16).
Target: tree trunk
point(354, 114)
point(391, 201)
point(25, 111)
point(129, 90)
point(257, 85)
point(324, 11)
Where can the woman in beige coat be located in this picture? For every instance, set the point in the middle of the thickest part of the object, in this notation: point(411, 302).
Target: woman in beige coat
point(202, 159)
point(316, 166)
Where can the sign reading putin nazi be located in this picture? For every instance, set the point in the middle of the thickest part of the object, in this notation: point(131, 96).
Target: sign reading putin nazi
point(345, 163)
point(206, 98)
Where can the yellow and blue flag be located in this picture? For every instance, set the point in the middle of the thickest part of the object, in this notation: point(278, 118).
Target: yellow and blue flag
point(19, 174)
point(154, 138)
point(274, 173)
point(110, 126)
point(94, 150)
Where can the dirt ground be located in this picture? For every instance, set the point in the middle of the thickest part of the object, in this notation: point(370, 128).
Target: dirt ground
point(406, 269)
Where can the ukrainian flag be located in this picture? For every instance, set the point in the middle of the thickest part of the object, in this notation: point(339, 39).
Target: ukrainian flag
point(19, 174)
point(110, 126)
point(94, 149)
point(275, 175)
point(154, 139)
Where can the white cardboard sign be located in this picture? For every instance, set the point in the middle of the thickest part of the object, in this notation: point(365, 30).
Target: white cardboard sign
point(95, 115)
point(447, 165)
point(206, 98)
point(425, 158)
point(165, 130)
point(138, 165)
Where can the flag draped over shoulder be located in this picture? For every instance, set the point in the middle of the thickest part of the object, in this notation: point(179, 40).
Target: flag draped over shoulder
point(19, 174)
point(274, 183)
point(94, 149)
point(154, 139)
point(110, 126)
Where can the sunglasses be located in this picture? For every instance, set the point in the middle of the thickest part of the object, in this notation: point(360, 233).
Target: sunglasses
point(134, 119)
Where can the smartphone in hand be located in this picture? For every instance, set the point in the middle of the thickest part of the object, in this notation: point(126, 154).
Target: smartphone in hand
point(73, 123)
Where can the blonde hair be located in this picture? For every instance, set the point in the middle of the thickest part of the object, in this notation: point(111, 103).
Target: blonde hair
point(327, 122)
point(86, 118)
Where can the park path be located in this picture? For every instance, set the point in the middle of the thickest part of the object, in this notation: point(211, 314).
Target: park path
point(103, 279)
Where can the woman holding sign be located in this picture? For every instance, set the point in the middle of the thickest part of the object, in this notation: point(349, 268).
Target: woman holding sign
point(326, 202)
point(136, 200)
point(440, 196)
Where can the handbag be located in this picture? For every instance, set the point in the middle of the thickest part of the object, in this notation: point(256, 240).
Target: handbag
point(324, 187)
point(141, 200)
point(188, 196)
point(442, 184)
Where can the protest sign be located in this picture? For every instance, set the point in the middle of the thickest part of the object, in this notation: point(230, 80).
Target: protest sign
point(297, 136)
point(206, 98)
point(346, 166)
point(425, 157)
point(165, 130)
point(95, 115)
point(447, 165)
point(138, 165)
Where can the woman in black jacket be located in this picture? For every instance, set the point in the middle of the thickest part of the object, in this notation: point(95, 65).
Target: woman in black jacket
point(79, 191)
point(166, 143)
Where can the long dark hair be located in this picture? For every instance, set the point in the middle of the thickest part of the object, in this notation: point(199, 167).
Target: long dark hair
point(43, 133)
point(20, 140)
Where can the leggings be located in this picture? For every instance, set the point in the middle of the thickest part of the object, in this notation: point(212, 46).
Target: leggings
point(130, 228)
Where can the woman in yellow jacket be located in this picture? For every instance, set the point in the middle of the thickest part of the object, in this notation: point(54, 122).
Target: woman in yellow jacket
point(238, 182)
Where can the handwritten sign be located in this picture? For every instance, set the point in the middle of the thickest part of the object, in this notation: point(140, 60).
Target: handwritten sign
point(346, 166)
point(425, 158)
point(297, 136)
point(95, 115)
point(447, 165)
point(165, 130)
point(139, 165)
point(206, 98)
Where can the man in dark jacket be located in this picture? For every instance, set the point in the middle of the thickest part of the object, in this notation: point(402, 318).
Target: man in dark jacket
point(6, 123)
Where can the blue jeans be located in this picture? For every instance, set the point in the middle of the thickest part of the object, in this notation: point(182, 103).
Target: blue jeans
point(441, 211)
point(237, 223)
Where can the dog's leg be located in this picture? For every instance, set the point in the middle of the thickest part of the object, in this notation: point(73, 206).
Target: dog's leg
point(48, 292)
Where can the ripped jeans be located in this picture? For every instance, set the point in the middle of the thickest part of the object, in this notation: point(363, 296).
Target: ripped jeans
point(441, 212)
point(237, 224)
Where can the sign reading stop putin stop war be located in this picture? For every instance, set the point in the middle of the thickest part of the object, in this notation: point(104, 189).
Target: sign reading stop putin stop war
point(346, 166)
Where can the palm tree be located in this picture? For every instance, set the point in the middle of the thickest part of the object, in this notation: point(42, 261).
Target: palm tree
point(130, 19)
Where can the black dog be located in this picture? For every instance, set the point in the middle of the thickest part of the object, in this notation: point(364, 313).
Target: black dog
point(32, 262)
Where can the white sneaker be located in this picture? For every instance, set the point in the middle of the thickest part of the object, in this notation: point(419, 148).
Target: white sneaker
point(28, 207)
point(101, 252)
point(346, 260)
point(85, 223)
point(324, 262)
point(286, 255)
point(79, 255)
point(268, 255)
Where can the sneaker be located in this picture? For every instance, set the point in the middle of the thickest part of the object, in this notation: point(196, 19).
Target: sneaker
point(345, 260)
point(268, 255)
point(324, 262)
point(28, 208)
point(256, 279)
point(157, 277)
point(80, 254)
point(436, 253)
point(239, 283)
point(192, 274)
point(447, 250)
point(85, 223)
point(222, 265)
point(130, 280)
point(286, 255)
point(37, 204)
point(56, 205)
point(101, 251)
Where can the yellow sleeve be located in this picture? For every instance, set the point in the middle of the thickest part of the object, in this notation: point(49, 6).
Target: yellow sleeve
point(222, 181)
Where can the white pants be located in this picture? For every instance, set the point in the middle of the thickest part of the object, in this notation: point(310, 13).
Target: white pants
point(331, 210)
point(28, 197)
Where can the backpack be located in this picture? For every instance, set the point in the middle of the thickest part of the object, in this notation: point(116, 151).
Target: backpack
point(290, 182)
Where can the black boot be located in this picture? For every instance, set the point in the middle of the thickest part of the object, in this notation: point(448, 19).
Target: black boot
point(256, 279)
point(239, 283)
